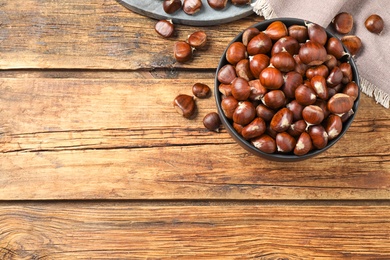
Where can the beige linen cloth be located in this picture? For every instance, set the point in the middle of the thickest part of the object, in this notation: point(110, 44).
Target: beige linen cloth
point(373, 60)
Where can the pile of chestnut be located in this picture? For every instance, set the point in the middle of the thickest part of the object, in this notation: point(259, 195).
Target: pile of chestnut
point(287, 89)
point(191, 7)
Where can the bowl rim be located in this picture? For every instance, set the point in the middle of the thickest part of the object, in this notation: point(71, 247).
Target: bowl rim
point(289, 157)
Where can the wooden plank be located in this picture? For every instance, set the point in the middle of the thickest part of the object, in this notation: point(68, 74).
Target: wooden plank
point(97, 34)
point(211, 231)
point(121, 139)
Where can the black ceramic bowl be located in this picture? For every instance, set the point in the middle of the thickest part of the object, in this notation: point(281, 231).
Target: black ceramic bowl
point(282, 157)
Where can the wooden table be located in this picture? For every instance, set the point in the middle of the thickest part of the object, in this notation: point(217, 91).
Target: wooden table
point(96, 163)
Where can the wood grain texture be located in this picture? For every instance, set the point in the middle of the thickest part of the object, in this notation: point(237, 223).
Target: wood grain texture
point(198, 231)
point(82, 138)
point(97, 34)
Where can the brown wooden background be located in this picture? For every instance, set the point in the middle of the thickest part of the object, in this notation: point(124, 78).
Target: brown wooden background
point(96, 163)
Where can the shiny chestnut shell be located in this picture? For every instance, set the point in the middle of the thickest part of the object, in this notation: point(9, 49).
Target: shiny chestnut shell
point(249, 145)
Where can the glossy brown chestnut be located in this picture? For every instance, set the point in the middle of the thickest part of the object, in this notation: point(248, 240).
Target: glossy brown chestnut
point(343, 22)
point(265, 143)
point(201, 90)
point(352, 43)
point(198, 39)
point(240, 89)
point(340, 103)
point(261, 43)
point(303, 145)
point(244, 113)
point(318, 83)
point(313, 115)
point(320, 70)
point(285, 143)
point(227, 74)
point(286, 43)
point(318, 136)
point(236, 52)
point(229, 105)
point(257, 63)
point(254, 129)
point(292, 80)
point(271, 78)
point(264, 112)
point(296, 109)
point(171, 6)
point(165, 28)
point(335, 48)
point(192, 6)
point(299, 32)
point(374, 23)
point(185, 105)
point(274, 99)
point(346, 69)
point(352, 90)
point(316, 33)
point(225, 89)
point(333, 126)
point(257, 90)
point(217, 4)
point(297, 128)
point(276, 30)
point(282, 120)
point(243, 69)
point(331, 62)
point(335, 77)
point(312, 53)
point(283, 61)
point(305, 95)
point(182, 51)
point(212, 121)
point(248, 35)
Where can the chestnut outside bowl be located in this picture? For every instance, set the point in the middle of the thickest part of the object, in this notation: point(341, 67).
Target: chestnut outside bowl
point(247, 145)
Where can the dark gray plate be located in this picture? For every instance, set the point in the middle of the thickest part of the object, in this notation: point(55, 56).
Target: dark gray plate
point(205, 17)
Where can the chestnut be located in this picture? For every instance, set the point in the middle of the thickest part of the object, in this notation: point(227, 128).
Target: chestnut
point(265, 112)
point(352, 90)
point(276, 30)
point(346, 69)
point(343, 22)
point(318, 83)
point(312, 53)
point(352, 43)
point(185, 105)
point(282, 120)
point(197, 39)
point(236, 52)
point(244, 113)
point(227, 74)
point(374, 23)
point(283, 61)
point(182, 51)
point(335, 48)
point(229, 105)
point(165, 28)
point(285, 143)
point(264, 143)
point(248, 35)
point(292, 80)
point(217, 4)
point(257, 63)
point(212, 121)
point(192, 6)
point(297, 128)
point(335, 77)
point(286, 43)
point(240, 89)
point(296, 109)
point(313, 115)
point(225, 89)
point(303, 145)
point(254, 129)
point(340, 103)
point(318, 136)
point(331, 62)
point(261, 43)
point(271, 78)
point(316, 33)
point(274, 99)
point(171, 6)
point(333, 126)
point(320, 70)
point(299, 32)
point(257, 90)
point(305, 95)
point(201, 90)
point(243, 69)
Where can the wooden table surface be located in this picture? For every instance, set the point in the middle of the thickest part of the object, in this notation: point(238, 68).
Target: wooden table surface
point(96, 163)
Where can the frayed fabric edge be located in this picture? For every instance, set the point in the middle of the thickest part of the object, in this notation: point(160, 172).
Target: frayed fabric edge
point(372, 91)
point(263, 8)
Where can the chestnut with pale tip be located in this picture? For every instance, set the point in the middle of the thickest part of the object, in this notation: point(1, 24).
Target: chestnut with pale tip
point(227, 74)
point(297, 128)
point(286, 43)
point(335, 77)
point(303, 145)
point(318, 83)
point(264, 143)
point(258, 63)
point(185, 105)
point(254, 129)
point(248, 35)
point(283, 61)
point(318, 136)
point(244, 113)
point(212, 121)
point(229, 105)
point(340, 103)
point(201, 90)
point(243, 69)
point(305, 95)
point(285, 143)
point(260, 44)
point(271, 78)
point(333, 126)
point(320, 70)
point(316, 33)
point(282, 120)
point(274, 99)
point(296, 109)
point(264, 112)
point(276, 30)
point(353, 44)
point(257, 90)
point(313, 115)
point(192, 6)
point(313, 53)
point(292, 80)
